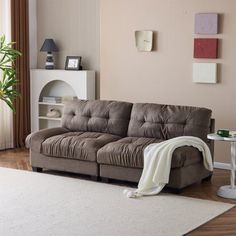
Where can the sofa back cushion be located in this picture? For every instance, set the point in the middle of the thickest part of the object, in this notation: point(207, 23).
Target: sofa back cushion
point(168, 121)
point(97, 116)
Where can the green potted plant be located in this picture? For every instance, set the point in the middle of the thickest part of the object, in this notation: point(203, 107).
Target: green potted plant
point(8, 80)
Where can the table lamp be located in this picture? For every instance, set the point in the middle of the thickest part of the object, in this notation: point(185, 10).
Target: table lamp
point(49, 46)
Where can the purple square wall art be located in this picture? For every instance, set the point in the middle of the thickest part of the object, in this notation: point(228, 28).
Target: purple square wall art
point(206, 23)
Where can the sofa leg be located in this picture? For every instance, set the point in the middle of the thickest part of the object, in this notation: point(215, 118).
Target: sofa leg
point(208, 178)
point(94, 178)
point(105, 180)
point(37, 169)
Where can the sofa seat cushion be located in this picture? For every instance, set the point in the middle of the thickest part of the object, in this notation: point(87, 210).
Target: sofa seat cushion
point(128, 152)
point(76, 145)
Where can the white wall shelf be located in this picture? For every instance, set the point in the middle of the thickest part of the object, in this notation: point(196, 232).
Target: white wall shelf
point(49, 118)
point(62, 83)
point(51, 104)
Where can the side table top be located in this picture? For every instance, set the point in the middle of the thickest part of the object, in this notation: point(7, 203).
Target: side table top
point(217, 137)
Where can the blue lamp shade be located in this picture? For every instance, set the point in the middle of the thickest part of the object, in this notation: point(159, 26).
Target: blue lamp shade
point(49, 46)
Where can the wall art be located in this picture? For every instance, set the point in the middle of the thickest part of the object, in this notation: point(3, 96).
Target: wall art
point(205, 73)
point(205, 48)
point(144, 40)
point(206, 23)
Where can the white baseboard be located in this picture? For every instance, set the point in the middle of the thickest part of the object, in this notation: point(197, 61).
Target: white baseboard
point(221, 165)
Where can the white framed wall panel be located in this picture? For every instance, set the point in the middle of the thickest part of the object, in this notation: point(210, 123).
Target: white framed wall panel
point(205, 73)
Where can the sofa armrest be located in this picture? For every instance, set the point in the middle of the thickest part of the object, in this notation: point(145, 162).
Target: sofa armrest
point(34, 140)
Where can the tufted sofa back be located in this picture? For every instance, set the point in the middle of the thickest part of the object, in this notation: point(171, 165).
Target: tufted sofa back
point(97, 116)
point(168, 121)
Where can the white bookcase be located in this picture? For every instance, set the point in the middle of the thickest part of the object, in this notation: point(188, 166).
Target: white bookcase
point(63, 83)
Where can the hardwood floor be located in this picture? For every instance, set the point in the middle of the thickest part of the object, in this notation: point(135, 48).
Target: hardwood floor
point(223, 225)
point(15, 158)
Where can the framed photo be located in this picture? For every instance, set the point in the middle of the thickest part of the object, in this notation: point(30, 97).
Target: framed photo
point(73, 63)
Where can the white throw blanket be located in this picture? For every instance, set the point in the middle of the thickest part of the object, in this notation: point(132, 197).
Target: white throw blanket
point(157, 164)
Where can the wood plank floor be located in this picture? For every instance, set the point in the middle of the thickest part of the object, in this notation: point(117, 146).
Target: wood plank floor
point(223, 225)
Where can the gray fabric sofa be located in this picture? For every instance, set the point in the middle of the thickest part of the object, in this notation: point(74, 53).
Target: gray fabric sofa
point(107, 138)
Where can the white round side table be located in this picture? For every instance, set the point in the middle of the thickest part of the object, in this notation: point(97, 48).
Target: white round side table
point(227, 191)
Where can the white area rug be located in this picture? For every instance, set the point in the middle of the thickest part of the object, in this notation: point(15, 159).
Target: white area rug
point(47, 205)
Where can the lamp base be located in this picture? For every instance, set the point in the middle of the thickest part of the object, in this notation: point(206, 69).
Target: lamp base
point(49, 65)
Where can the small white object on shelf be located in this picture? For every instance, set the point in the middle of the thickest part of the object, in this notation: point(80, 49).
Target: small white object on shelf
point(54, 113)
point(232, 134)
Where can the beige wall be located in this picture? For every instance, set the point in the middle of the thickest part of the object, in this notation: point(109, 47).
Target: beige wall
point(74, 24)
point(165, 75)
point(33, 54)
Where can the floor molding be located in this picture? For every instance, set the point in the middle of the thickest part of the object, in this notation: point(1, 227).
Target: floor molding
point(221, 165)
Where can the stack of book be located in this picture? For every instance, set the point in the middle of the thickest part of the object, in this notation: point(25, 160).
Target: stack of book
point(52, 99)
point(68, 98)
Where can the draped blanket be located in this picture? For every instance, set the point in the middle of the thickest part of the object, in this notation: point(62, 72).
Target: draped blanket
point(157, 164)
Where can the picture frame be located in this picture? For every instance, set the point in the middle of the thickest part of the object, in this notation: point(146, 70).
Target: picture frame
point(73, 63)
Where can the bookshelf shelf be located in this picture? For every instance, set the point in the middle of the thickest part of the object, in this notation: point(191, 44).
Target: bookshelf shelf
point(51, 104)
point(49, 118)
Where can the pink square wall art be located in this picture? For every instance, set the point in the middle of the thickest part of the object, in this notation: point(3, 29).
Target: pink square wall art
point(206, 23)
point(205, 48)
